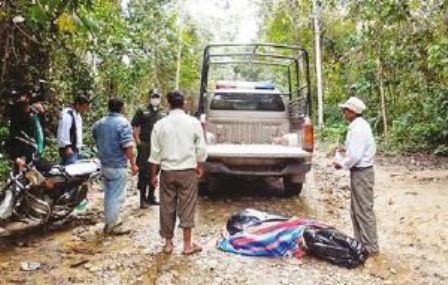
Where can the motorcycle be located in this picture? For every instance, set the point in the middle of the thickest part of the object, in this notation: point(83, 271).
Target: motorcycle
point(46, 196)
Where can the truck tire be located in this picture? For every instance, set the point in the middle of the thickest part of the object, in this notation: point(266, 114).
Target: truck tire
point(203, 188)
point(290, 188)
point(207, 187)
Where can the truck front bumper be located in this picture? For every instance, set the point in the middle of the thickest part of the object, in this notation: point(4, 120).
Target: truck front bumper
point(281, 170)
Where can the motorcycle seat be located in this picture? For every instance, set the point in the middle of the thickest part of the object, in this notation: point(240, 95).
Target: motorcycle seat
point(82, 167)
point(79, 168)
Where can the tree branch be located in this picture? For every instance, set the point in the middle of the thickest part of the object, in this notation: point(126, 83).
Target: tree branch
point(27, 35)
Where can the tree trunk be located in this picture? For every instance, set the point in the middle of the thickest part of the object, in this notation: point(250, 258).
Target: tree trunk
point(320, 96)
point(181, 11)
point(382, 96)
point(179, 58)
point(7, 29)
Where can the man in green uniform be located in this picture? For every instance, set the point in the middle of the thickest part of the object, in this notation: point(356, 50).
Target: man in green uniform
point(142, 124)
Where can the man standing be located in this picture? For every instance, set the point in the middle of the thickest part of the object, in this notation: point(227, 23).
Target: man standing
point(178, 149)
point(358, 157)
point(113, 136)
point(69, 134)
point(26, 137)
point(143, 123)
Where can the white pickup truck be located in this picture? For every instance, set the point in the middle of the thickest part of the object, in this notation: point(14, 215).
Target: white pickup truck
point(254, 129)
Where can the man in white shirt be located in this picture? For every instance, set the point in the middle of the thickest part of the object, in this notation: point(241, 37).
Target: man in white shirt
point(358, 157)
point(178, 150)
point(69, 134)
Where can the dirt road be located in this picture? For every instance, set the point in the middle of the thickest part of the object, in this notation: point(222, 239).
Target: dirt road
point(411, 199)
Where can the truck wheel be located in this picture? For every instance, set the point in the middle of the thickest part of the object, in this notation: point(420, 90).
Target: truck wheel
point(203, 188)
point(291, 189)
point(207, 187)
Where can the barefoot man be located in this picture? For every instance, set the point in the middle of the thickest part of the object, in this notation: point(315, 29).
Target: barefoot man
point(178, 151)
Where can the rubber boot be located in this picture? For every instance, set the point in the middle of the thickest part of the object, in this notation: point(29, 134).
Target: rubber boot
point(143, 201)
point(152, 198)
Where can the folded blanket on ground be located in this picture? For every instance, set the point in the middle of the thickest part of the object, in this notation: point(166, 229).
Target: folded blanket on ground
point(256, 233)
point(284, 238)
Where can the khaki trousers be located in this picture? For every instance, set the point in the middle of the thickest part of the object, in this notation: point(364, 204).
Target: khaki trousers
point(362, 214)
point(178, 196)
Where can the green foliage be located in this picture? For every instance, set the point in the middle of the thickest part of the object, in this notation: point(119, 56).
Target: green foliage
point(51, 152)
point(3, 133)
point(333, 134)
point(96, 46)
point(5, 167)
point(441, 150)
point(5, 164)
point(400, 44)
point(412, 137)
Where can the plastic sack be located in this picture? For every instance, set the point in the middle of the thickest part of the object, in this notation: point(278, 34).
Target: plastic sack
point(250, 217)
point(335, 247)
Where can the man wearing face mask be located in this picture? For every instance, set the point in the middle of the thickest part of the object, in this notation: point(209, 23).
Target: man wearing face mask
point(143, 123)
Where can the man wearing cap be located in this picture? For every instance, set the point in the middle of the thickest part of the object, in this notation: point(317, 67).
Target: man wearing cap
point(143, 123)
point(178, 150)
point(69, 135)
point(358, 157)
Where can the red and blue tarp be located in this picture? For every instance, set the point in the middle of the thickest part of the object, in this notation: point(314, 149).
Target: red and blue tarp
point(277, 238)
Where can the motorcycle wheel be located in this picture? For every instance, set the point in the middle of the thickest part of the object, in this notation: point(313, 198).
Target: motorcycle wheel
point(37, 207)
point(60, 212)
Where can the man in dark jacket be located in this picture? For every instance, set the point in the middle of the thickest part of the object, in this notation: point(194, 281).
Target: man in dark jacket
point(143, 123)
point(26, 136)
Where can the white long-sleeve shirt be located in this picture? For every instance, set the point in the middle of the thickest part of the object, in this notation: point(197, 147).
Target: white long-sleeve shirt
point(360, 145)
point(65, 123)
point(177, 142)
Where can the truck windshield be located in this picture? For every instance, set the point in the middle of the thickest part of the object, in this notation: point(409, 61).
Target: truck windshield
point(248, 102)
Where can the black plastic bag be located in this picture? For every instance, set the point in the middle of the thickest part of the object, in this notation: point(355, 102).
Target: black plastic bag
point(250, 217)
point(335, 247)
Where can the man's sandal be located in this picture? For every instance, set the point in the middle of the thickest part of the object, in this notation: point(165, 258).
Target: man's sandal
point(167, 249)
point(196, 249)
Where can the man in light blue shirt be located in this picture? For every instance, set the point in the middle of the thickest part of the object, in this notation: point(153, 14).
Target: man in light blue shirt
point(358, 157)
point(113, 136)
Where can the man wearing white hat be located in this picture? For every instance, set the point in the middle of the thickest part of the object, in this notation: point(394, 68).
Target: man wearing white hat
point(358, 157)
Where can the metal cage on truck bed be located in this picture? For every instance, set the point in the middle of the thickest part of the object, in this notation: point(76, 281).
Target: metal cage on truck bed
point(293, 59)
point(254, 127)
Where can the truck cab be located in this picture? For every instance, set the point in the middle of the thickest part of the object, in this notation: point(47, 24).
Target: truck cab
point(254, 128)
